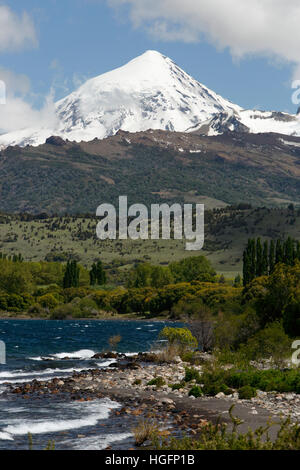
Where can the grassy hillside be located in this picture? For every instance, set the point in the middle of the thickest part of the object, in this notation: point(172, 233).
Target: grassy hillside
point(226, 233)
point(155, 166)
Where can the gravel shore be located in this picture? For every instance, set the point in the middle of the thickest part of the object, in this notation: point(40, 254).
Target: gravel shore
point(126, 381)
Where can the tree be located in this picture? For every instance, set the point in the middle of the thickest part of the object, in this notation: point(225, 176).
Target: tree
point(289, 252)
point(93, 275)
point(194, 268)
point(97, 274)
point(140, 276)
point(71, 276)
point(259, 259)
point(180, 337)
point(100, 274)
point(265, 259)
point(291, 315)
point(249, 262)
point(279, 255)
point(272, 257)
point(246, 268)
point(279, 288)
point(161, 276)
point(237, 281)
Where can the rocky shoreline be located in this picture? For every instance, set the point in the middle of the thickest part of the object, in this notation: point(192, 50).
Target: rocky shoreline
point(127, 379)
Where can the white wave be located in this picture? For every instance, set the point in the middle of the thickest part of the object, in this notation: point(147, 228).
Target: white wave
point(105, 363)
point(43, 375)
point(4, 436)
point(15, 410)
point(81, 354)
point(97, 442)
point(90, 413)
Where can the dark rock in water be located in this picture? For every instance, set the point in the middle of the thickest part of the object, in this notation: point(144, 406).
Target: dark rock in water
point(55, 140)
point(106, 355)
point(125, 365)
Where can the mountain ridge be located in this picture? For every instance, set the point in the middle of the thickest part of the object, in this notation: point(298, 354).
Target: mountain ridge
point(151, 167)
point(149, 92)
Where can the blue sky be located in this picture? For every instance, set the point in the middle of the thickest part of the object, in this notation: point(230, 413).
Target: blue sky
point(78, 39)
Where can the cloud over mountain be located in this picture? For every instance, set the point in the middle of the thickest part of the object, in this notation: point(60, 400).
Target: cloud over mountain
point(268, 28)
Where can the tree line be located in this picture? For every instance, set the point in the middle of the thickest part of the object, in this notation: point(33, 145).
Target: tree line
point(260, 259)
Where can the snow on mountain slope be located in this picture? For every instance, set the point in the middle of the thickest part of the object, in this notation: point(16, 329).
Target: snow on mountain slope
point(150, 92)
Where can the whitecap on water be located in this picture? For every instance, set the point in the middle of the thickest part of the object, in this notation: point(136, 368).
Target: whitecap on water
point(97, 442)
point(81, 354)
point(89, 413)
point(4, 436)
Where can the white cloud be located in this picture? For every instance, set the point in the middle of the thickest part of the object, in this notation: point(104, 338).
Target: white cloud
point(267, 28)
point(16, 32)
point(19, 112)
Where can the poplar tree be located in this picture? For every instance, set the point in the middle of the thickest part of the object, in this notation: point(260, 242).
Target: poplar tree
point(265, 259)
point(259, 259)
point(279, 252)
point(272, 257)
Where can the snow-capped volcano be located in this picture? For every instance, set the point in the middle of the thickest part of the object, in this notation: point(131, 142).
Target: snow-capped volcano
point(149, 92)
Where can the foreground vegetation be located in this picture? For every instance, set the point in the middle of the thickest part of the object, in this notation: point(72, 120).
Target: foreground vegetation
point(219, 437)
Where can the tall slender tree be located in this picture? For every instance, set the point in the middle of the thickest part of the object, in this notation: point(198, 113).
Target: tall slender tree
point(271, 257)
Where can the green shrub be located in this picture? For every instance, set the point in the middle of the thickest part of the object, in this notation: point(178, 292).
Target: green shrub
point(187, 356)
point(181, 337)
point(48, 301)
point(158, 381)
point(271, 342)
point(192, 374)
point(212, 389)
point(247, 392)
point(177, 386)
point(267, 380)
point(196, 391)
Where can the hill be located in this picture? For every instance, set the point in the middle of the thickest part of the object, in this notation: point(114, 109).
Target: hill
point(226, 233)
point(150, 167)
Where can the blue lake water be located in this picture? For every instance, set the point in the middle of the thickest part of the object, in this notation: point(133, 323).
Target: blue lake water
point(36, 350)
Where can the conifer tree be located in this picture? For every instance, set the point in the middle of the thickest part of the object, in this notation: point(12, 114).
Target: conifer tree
point(279, 252)
point(272, 257)
point(252, 255)
point(67, 277)
point(93, 275)
point(259, 259)
point(71, 276)
point(265, 259)
point(100, 274)
point(289, 252)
